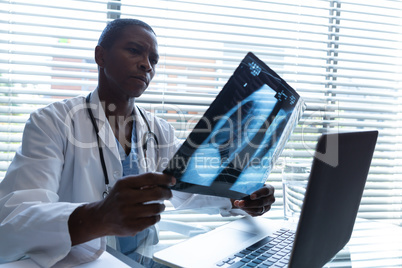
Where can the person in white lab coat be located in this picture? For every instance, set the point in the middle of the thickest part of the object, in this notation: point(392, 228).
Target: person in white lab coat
point(59, 201)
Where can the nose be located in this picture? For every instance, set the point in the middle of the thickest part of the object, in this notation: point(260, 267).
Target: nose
point(145, 64)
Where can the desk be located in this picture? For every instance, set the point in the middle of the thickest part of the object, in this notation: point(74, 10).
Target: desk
point(110, 258)
point(373, 244)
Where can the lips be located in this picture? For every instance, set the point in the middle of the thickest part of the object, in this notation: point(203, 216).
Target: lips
point(142, 78)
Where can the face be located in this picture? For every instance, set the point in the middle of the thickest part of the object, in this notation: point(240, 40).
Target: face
point(129, 65)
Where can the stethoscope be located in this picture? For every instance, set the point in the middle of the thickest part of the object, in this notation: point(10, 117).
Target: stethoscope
point(146, 139)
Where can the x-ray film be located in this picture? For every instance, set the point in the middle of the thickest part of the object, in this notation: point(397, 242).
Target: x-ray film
point(232, 149)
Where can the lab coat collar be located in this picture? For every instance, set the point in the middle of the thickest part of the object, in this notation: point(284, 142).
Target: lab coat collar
point(105, 131)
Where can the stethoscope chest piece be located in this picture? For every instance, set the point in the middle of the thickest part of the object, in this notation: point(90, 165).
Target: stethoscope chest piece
point(106, 192)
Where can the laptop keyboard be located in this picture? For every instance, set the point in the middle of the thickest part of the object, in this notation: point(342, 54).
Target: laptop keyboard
point(272, 251)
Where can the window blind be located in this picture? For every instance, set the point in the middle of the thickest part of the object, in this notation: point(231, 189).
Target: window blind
point(343, 57)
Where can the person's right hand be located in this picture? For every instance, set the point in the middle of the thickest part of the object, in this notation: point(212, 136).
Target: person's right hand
point(127, 210)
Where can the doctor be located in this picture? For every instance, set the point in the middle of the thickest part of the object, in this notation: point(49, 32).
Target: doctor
point(75, 179)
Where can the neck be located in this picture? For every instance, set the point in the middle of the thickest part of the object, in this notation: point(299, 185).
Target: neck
point(119, 113)
point(115, 106)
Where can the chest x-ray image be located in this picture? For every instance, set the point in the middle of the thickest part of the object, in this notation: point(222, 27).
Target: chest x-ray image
point(233, 147)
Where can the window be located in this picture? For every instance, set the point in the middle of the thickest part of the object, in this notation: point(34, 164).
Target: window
point(343, 57)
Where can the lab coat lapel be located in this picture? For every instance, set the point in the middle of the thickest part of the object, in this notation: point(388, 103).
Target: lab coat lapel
point(105, 131)
point(148, 164)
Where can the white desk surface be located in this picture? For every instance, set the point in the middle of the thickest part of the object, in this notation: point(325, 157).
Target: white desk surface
point(373, 244)
point(105, 260)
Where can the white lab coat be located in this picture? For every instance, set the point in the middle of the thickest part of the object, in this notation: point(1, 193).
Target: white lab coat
point(58, 168)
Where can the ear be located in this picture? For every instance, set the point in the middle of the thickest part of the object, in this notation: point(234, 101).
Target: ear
point(99, 56)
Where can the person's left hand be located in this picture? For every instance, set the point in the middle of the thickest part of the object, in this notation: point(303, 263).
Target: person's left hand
point(258, 202)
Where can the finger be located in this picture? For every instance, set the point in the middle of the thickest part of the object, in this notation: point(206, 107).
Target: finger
point(131, 228)
point(264, 191)
point(140, 196)
point(257, 211)
point(147, 222)
point(262, 197)
point(255, 205)
point(143, 210)
point(147, 180)
point(157, 193)
point(127, 219)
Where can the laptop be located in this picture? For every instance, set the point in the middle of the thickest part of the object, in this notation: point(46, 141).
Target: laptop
point(337, 179)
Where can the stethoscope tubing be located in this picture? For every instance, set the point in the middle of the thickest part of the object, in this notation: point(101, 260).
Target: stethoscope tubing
point(147, 136)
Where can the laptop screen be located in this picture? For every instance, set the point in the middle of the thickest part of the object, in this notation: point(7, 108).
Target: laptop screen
point(233, 147)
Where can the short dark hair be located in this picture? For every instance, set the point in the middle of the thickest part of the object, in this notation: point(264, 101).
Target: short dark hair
point(114, 28)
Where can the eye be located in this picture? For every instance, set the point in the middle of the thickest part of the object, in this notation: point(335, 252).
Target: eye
point(133, 50)
point(153, 61)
